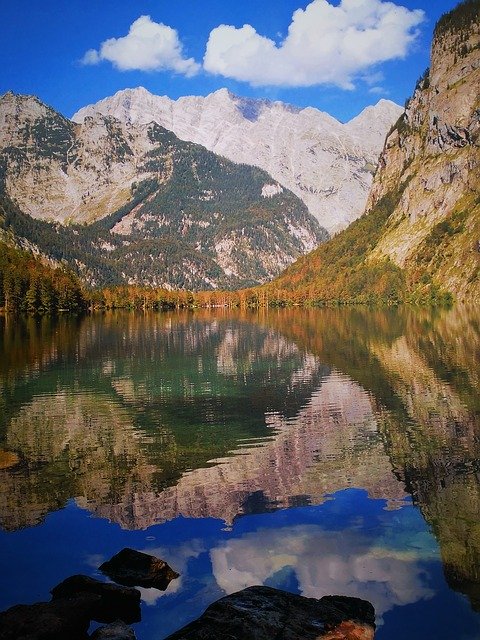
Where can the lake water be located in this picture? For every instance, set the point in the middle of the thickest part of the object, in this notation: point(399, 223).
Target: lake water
point(331, 451)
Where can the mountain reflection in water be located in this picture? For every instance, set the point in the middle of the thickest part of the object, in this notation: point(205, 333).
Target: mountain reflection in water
point(142, 418)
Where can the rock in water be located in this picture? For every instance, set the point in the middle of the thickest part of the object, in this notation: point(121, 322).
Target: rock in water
point(130, 568)
point(262, 613)
point(55, 620)
point(115, 602)
point(75, 602)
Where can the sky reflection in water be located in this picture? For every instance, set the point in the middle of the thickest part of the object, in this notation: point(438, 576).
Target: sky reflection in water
point(281, 449)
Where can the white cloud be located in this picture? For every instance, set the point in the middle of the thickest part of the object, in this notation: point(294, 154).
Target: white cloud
point(379, 91)
point(325, 44)
point(91, 57)
point(374, 78)
point(148, 46)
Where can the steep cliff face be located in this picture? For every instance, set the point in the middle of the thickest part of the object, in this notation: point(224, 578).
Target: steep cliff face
point(419, 239)
point(57, 170)
point(326, 163)
point(433, 151)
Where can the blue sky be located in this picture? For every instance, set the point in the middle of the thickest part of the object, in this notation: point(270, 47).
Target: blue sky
point(336, 56)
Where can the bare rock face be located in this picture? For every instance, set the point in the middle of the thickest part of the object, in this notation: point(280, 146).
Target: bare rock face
point(116, 602)
point(130, 567)
point(329, 165)
point(57, 170)
point(433, 156)
point(263, 613)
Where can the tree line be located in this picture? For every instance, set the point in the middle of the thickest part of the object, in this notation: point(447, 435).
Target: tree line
point(27, 284)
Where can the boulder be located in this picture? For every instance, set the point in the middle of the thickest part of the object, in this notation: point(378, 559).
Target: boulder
point(115, 602)
point(262, 613)
point(117, 630)
point(55, 620)
point(133, 568)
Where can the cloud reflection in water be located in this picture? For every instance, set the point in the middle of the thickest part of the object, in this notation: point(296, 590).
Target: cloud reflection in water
point(326, 562)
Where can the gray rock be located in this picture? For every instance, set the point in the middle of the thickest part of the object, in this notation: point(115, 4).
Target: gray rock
point(115, 602)
point(117, 630)
point(130, 568)
point(323, 153)
point(55, 620)
point(263, 613)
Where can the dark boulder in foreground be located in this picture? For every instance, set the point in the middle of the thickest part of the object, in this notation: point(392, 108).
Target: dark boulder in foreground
point(263, 613)
point(133, 568)
point(115, 603)
point(75, 603)
point(115, 631)
point(55, 620)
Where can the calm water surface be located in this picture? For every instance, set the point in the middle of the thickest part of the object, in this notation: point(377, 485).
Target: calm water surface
point(321, 452)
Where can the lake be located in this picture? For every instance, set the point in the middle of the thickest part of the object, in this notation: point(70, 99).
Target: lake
point(328, 451)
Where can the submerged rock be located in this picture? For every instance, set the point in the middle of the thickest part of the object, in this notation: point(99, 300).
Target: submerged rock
point(133, 568)
point(117, 630)
point(115, 603)
point(55, 620)
point(262, 613)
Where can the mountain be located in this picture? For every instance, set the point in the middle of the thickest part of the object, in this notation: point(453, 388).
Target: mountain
point(131, 203)
point(329, 165)
point(56, 170)
point(420, 236)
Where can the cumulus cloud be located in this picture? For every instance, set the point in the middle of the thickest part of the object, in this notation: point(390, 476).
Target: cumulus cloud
point(148, 46)
point(325, 44)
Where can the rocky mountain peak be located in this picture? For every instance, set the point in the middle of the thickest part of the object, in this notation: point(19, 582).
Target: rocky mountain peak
point(223, 94)
point(384, 110)
point(327, 164)
point(165, 212)
point(10, 100)
point(21, 118)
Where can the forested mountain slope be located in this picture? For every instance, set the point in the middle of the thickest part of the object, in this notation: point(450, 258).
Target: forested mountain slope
point(132, 204)
point(28, 284)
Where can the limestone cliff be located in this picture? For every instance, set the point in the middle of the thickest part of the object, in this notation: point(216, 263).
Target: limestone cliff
point(433, 151)
point(419, 239)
